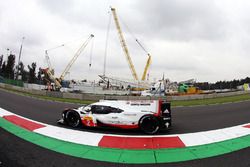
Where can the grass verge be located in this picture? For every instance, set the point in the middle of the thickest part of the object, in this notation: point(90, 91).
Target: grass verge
point(217, 100)
point(210, 101)
point(77, 101)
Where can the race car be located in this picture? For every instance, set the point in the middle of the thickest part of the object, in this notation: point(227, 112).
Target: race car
point(148, 115)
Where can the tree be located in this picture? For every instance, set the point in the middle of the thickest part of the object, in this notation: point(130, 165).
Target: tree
point(9, 71)
point(3, 69)
point(247, 80)
point(1, 62)
point(39, 76)
point(22, 72)
point(32, 73)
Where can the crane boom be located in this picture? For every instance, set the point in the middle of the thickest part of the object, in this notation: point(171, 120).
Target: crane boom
point(48, 59)
point(146, 68)
point(52, 78)
point(123, 43)
point(79, 51)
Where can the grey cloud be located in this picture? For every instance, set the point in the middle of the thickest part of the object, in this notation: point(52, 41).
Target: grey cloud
point(202, 33)
point(77, 12)
point(57, 7)
point(181, 19)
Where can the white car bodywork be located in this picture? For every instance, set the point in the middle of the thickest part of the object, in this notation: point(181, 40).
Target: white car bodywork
point(148, 115)
point(133, 111)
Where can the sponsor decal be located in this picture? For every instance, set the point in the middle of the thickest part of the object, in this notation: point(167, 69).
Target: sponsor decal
point(88, 121)
point(140, 103)
point(146, 111)
point(128, 114)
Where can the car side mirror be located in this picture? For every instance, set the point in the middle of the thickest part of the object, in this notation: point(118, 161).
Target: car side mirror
point(87, 109)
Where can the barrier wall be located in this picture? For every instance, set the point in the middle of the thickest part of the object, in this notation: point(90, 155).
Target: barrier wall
point(94, 97)
point(12, 82)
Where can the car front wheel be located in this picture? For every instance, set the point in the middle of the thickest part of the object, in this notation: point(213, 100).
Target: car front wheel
point(72, 118)
point(149, 124)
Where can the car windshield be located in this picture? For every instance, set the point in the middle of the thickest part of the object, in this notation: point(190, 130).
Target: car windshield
point(99, 109)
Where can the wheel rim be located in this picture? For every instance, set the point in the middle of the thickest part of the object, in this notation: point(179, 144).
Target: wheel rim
point(73, 119)
point(149, 125)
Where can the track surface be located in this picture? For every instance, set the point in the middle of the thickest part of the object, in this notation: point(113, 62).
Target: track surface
point(188, 119)
point(185, 119)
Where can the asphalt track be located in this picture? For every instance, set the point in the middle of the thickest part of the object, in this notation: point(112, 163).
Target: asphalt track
point(190, 119)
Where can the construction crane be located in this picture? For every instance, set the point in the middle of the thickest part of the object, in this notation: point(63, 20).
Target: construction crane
point(50, 71)
point(146, 68)
point(148, 61)
point(125, 49)
point(123, 43)
point(76, 55)
point(48, 59)
point(52, 77)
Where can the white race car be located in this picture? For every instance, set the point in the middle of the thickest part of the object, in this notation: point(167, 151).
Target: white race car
point(148, 115)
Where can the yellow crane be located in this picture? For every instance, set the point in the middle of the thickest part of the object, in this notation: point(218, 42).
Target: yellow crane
point(52, 78)
point(123, 43)
point(126, 52)
point(146, 68)
point(50, 72)
point(76, 55)
point(48, 59)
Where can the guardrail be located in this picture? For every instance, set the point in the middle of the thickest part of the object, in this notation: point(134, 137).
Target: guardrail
point(96, 97)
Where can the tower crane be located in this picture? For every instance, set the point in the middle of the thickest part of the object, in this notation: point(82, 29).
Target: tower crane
point(126, 52)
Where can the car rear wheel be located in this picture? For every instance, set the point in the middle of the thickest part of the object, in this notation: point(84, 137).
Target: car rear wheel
point(149, 124)
point(72, 118)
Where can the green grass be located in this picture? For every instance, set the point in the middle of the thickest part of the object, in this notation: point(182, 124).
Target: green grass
point(77, 101)
point(218, 100)
point(64, 99)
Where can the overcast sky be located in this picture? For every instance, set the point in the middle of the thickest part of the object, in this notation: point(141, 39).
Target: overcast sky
point(206, 40)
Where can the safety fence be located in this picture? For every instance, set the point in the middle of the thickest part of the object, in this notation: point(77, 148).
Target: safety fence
point(11, 82)
point(96, 97)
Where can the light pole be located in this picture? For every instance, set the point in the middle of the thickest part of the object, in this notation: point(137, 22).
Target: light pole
point(19, 57)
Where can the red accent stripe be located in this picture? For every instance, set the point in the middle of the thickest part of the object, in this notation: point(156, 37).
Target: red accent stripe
point(247, 126)
point(24, 123)
point(159, 108)
point(140, 142)
point(135, 126)
point(122, 126)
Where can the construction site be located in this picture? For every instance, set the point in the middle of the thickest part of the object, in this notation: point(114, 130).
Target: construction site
point(138, 86)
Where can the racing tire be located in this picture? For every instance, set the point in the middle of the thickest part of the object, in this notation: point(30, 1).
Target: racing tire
point(149, 124)
point(72, 118)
